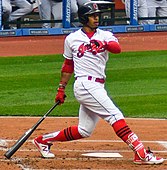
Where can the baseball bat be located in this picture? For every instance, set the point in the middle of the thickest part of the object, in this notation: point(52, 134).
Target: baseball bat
point(27, 134)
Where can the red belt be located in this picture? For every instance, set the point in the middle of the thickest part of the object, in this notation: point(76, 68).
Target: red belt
point(99, 80)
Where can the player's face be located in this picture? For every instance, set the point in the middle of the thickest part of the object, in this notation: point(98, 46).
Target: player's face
point(93, 21)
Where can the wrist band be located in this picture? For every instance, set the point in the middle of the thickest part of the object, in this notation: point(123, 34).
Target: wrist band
point(62, 86)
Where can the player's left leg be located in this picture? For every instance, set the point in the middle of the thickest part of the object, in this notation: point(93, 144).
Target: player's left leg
point(115, 117)
point(142, 156)
point(98, 103)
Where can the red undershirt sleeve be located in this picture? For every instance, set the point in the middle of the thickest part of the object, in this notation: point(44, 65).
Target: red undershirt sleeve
point(113, 47)
point(68, 66)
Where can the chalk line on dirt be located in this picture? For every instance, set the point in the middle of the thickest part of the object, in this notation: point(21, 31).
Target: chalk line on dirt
point(19, 161)
point(93, 141)
point(163, 143)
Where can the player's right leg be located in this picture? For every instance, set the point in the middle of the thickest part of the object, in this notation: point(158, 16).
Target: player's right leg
point(43, 147)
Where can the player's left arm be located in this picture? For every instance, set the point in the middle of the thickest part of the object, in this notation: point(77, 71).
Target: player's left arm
point(113, 47)
point(99, 46)
point(112, 44)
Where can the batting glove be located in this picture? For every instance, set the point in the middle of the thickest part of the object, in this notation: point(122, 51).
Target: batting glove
point(60, 96)
point(98, 46)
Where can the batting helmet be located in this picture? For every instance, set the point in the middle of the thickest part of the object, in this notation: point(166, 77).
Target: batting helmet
point(85, 10)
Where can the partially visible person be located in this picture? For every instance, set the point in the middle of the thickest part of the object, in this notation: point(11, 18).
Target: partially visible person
point(76, 3)
point(24, 7)
point(142, 10)
point(6, 10)
point(157, 8)
point(49, 8)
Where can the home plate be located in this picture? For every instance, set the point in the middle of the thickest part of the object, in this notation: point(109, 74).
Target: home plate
point(103, 155)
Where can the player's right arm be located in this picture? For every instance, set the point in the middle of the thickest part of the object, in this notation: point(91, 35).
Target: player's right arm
point(66, 73)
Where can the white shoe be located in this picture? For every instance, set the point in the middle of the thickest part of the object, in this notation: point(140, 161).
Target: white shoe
point(44, 149)
point(149, 159)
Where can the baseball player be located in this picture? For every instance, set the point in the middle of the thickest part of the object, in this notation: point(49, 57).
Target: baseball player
point(157, 8)
point(47, 8)
point(86, 54)
point(142, 10)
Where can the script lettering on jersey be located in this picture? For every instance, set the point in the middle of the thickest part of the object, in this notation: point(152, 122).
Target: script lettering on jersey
point(82, 48)
point(94, 47)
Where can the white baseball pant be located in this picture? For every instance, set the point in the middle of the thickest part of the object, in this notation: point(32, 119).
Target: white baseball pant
point(94, 103)
point(47, 8)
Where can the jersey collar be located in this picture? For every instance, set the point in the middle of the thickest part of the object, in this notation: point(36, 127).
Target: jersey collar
point(89, 34)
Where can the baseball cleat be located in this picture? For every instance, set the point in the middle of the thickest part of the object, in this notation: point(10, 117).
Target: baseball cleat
point(149, 159)
point(43, 148)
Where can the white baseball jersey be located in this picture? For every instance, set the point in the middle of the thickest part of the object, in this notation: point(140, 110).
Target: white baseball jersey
point(93, 98)
point(77, 47)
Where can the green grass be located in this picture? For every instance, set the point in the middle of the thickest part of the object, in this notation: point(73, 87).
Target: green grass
point(136, 81)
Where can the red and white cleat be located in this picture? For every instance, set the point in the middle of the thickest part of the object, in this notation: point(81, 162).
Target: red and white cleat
point(43, 148)
point(149, 159)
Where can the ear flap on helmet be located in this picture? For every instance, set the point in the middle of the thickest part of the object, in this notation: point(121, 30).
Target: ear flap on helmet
point(83, 19)
point(85, 10)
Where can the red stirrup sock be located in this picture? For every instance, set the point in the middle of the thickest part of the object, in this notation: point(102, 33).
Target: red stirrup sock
point(124, 132)
point(70, 133)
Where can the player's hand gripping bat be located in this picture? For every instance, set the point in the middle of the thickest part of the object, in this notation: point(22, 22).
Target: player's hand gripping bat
point(27, 134)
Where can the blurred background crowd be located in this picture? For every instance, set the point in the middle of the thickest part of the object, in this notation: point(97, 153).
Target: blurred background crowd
point(149, 12)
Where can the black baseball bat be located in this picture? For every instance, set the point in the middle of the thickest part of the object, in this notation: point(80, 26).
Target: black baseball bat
point(27, 134)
